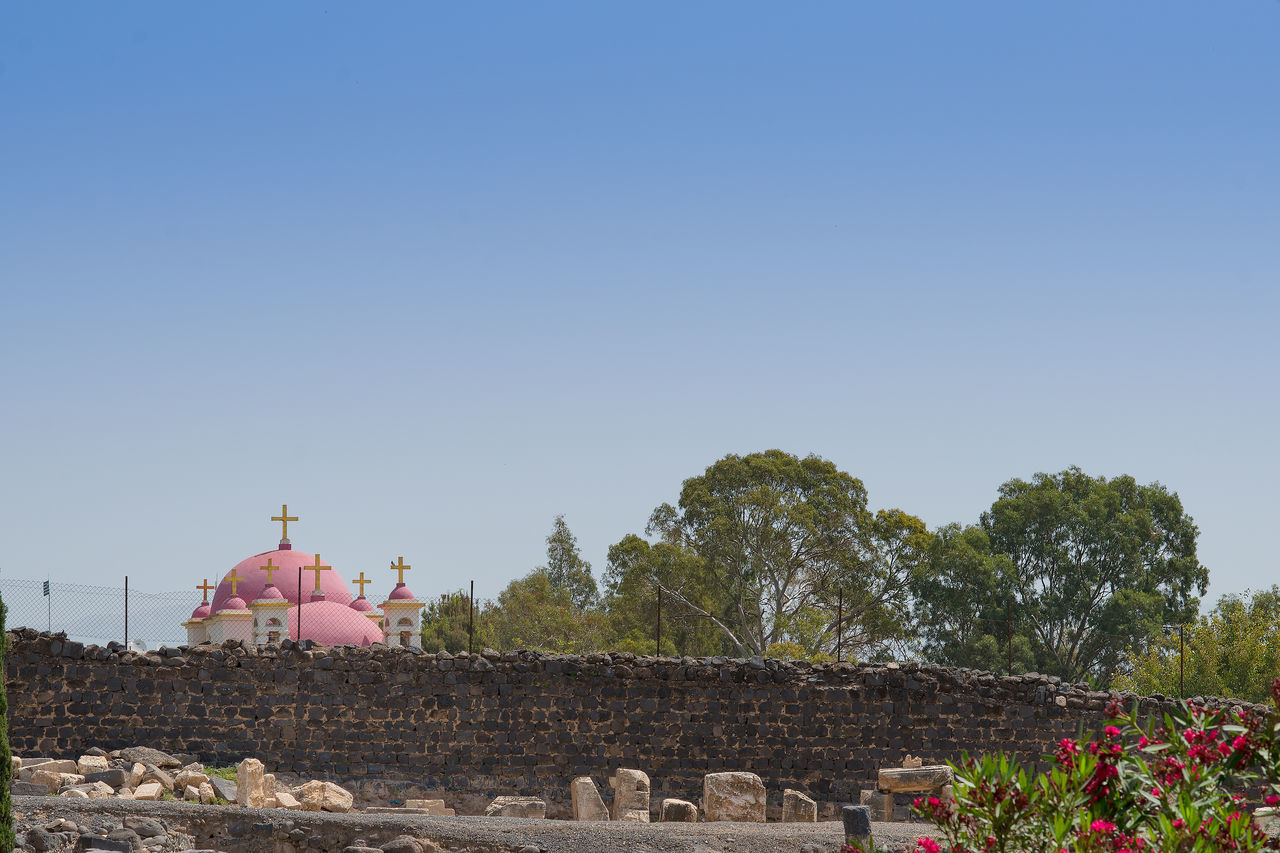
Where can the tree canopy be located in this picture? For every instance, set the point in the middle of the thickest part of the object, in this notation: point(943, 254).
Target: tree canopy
point(1098, 566)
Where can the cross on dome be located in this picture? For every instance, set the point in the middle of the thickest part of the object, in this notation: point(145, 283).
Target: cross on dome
point(235, 579)
point(361, 582)
point(400, 567)
point(269, 569)
point(206, 586)
point(318, 568)
point(284, 518)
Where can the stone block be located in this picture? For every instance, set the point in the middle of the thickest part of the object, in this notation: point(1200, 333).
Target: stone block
point(908, 780)
point(147, 755)
point(114, 777)
point(27, 789)
point(74, 794)
point(678, 811)
point(798, 807)
point(100, 790)
point(316, 796)
point(526, 807)
point(857, 824)
point(151, 773)
point(148, 791)
point(269, 791)
point(880, 804)
point(224, 788)
point(630, 796)
point(586, 800)
point(189, 777)
point(191, 794)
point(206, 794)
point(733, 796)
point(89, 764)
point(431, 807)
point(285, 800)
point(912, 761)
point(135, 774)
point(249, 773)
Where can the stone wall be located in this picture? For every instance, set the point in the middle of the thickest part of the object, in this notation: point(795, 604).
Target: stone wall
point(520, 722)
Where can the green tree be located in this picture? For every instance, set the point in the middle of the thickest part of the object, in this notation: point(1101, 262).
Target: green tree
point(554, 607)
point(635, 570)
point(1098, 566)
point(778, 540)
point(1233, 650)
point(566, 569)
point(6, 761)
point(962, 604)
point(533, 613)
point(445, 623)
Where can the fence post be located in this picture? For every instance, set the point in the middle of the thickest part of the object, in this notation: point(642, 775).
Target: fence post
point(126, 611)
point(471, 620)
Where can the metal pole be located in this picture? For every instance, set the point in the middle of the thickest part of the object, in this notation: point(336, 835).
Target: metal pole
point(126, 610)
point(471, 620)
point(1008, 626)
point(839, 624)
point(299, 619)
point(1182, 692)
point(658, 640)
point(48, 600)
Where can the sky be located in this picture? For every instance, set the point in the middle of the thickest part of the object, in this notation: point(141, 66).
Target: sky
point(435, 273)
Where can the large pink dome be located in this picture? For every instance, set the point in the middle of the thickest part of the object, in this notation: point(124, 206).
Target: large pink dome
point(333, 624)
point(253, 579)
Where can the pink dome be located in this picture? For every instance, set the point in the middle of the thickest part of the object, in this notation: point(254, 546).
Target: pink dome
point(235, 602)
point(333, 624)
point(362, 604)
point(253, 579)
point(270, 593)
point(400, 593)
point(201, 612)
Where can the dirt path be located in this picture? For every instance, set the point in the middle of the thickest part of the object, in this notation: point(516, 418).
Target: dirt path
point(237, 830)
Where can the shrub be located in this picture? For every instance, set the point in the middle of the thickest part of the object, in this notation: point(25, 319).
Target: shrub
point(1173, 785)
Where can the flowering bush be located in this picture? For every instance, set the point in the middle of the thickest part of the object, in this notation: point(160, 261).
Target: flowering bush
point(1168, 786)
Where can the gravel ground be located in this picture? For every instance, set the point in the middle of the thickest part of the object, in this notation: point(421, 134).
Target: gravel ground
point(479, 833)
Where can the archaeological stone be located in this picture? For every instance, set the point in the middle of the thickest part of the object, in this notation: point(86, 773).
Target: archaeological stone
point(678, 811)
point(286, 800)
point(879, 803)
point(431, 807)
point(249, 773)
point(147, 755)
point(857, 824)
point(528, 807)
point(798, 807)
point(630, 796)
point(914, 779)
point(88, 764)
point(147, 791)
point(225, 788)
point(586, 800)
point(316, 795)
point(736, 796)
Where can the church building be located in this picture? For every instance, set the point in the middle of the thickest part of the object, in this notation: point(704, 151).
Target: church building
point(288, 594)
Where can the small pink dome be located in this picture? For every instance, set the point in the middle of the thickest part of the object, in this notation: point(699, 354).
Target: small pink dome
point(201, 612)
point(362, 604)
point(332, 624)
point(400, 593)
point(235, 602)
point(270, 593)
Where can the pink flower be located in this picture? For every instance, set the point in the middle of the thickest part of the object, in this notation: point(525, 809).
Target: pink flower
point(1239, 742)
point(928, 845)
point(1111, 731)
point(1273, 800)
point(1102, 826)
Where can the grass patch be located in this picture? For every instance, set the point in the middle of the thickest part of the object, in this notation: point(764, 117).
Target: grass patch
point(228, 773)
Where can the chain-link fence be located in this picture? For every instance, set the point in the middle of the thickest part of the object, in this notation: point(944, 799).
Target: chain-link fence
point(97, 614)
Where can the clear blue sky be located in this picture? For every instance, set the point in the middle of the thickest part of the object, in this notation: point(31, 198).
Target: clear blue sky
point(433, 273)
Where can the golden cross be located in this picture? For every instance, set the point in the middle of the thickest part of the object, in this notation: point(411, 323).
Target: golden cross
point(401, 568)
point(235, 579)
point(268, 568)
point(206, 586)
point(318, 568)
point(360, 582)
point(284, 518)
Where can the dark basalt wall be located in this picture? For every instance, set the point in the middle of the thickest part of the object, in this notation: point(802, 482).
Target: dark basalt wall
point(523, 722)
